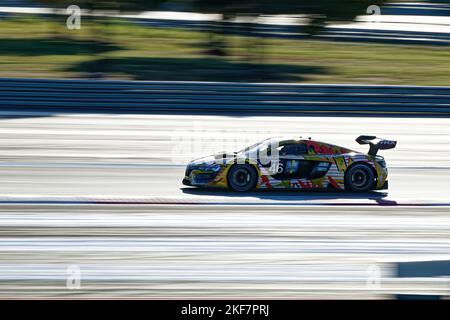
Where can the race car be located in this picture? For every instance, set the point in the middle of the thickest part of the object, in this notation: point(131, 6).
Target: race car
point(294, 163)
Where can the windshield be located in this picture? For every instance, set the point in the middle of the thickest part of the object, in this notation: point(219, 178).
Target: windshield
point(257, 146)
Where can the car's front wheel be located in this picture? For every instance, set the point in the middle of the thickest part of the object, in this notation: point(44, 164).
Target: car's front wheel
point(359, 178)
point(242, 177)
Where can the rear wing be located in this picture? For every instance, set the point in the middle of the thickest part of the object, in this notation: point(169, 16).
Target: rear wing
point(381, 144)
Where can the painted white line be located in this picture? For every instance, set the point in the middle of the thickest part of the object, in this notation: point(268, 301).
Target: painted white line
point(304, 199)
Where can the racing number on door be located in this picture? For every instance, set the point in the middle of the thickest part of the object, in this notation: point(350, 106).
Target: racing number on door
point(285, 169)
point(276, 167)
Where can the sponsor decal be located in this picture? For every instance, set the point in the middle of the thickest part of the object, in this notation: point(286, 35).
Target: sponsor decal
point(301, 184)
point(333, 183)
point(340, 163)
point(291, 166)
point(265, 181)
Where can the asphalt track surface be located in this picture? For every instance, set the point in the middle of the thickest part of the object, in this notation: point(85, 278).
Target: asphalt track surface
point(103, 193)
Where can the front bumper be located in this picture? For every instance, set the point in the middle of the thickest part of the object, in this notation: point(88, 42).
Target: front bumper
point(186, 182)
point(203, 175)
point(200, 179)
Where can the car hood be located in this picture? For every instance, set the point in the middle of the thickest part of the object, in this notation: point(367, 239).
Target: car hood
point(214, 158)
point(204, 160)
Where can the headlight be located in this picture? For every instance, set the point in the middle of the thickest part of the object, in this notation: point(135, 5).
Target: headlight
point(215, 167)
point(205, 167)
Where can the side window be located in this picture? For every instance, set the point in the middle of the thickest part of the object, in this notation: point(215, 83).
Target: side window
point(293, 149)
point(311, 150)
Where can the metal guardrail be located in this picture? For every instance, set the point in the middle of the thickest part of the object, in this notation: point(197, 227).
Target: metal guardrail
point(359, 33)
point(420, 270)
point(220, 97)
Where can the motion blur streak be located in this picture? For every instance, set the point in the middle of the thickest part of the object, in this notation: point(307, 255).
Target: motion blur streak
point(178, 251)
point(240, 250)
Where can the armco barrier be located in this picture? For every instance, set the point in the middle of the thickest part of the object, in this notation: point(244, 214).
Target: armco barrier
point(421, 270)
point(220, 97)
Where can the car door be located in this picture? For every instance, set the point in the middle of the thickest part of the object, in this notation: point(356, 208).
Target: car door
point(290, 163)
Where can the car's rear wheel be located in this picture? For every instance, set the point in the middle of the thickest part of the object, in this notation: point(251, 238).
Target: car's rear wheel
point(359, 178)
point(242, 177)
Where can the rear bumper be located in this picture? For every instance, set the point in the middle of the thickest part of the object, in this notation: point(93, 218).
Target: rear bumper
point(385, 186)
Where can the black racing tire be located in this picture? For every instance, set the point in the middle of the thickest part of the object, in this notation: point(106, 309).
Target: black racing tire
point(359, 178)
point(242, 177)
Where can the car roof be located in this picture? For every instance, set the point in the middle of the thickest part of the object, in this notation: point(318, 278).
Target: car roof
point(288, 139)
point(298, 139)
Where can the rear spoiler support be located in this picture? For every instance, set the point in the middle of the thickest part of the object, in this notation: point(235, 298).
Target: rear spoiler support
point(381, 144)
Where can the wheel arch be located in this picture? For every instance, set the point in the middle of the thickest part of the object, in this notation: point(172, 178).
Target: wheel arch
point(367, 164)
point(252, 165)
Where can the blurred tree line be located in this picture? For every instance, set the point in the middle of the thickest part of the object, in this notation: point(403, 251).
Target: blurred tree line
point(315, 14)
